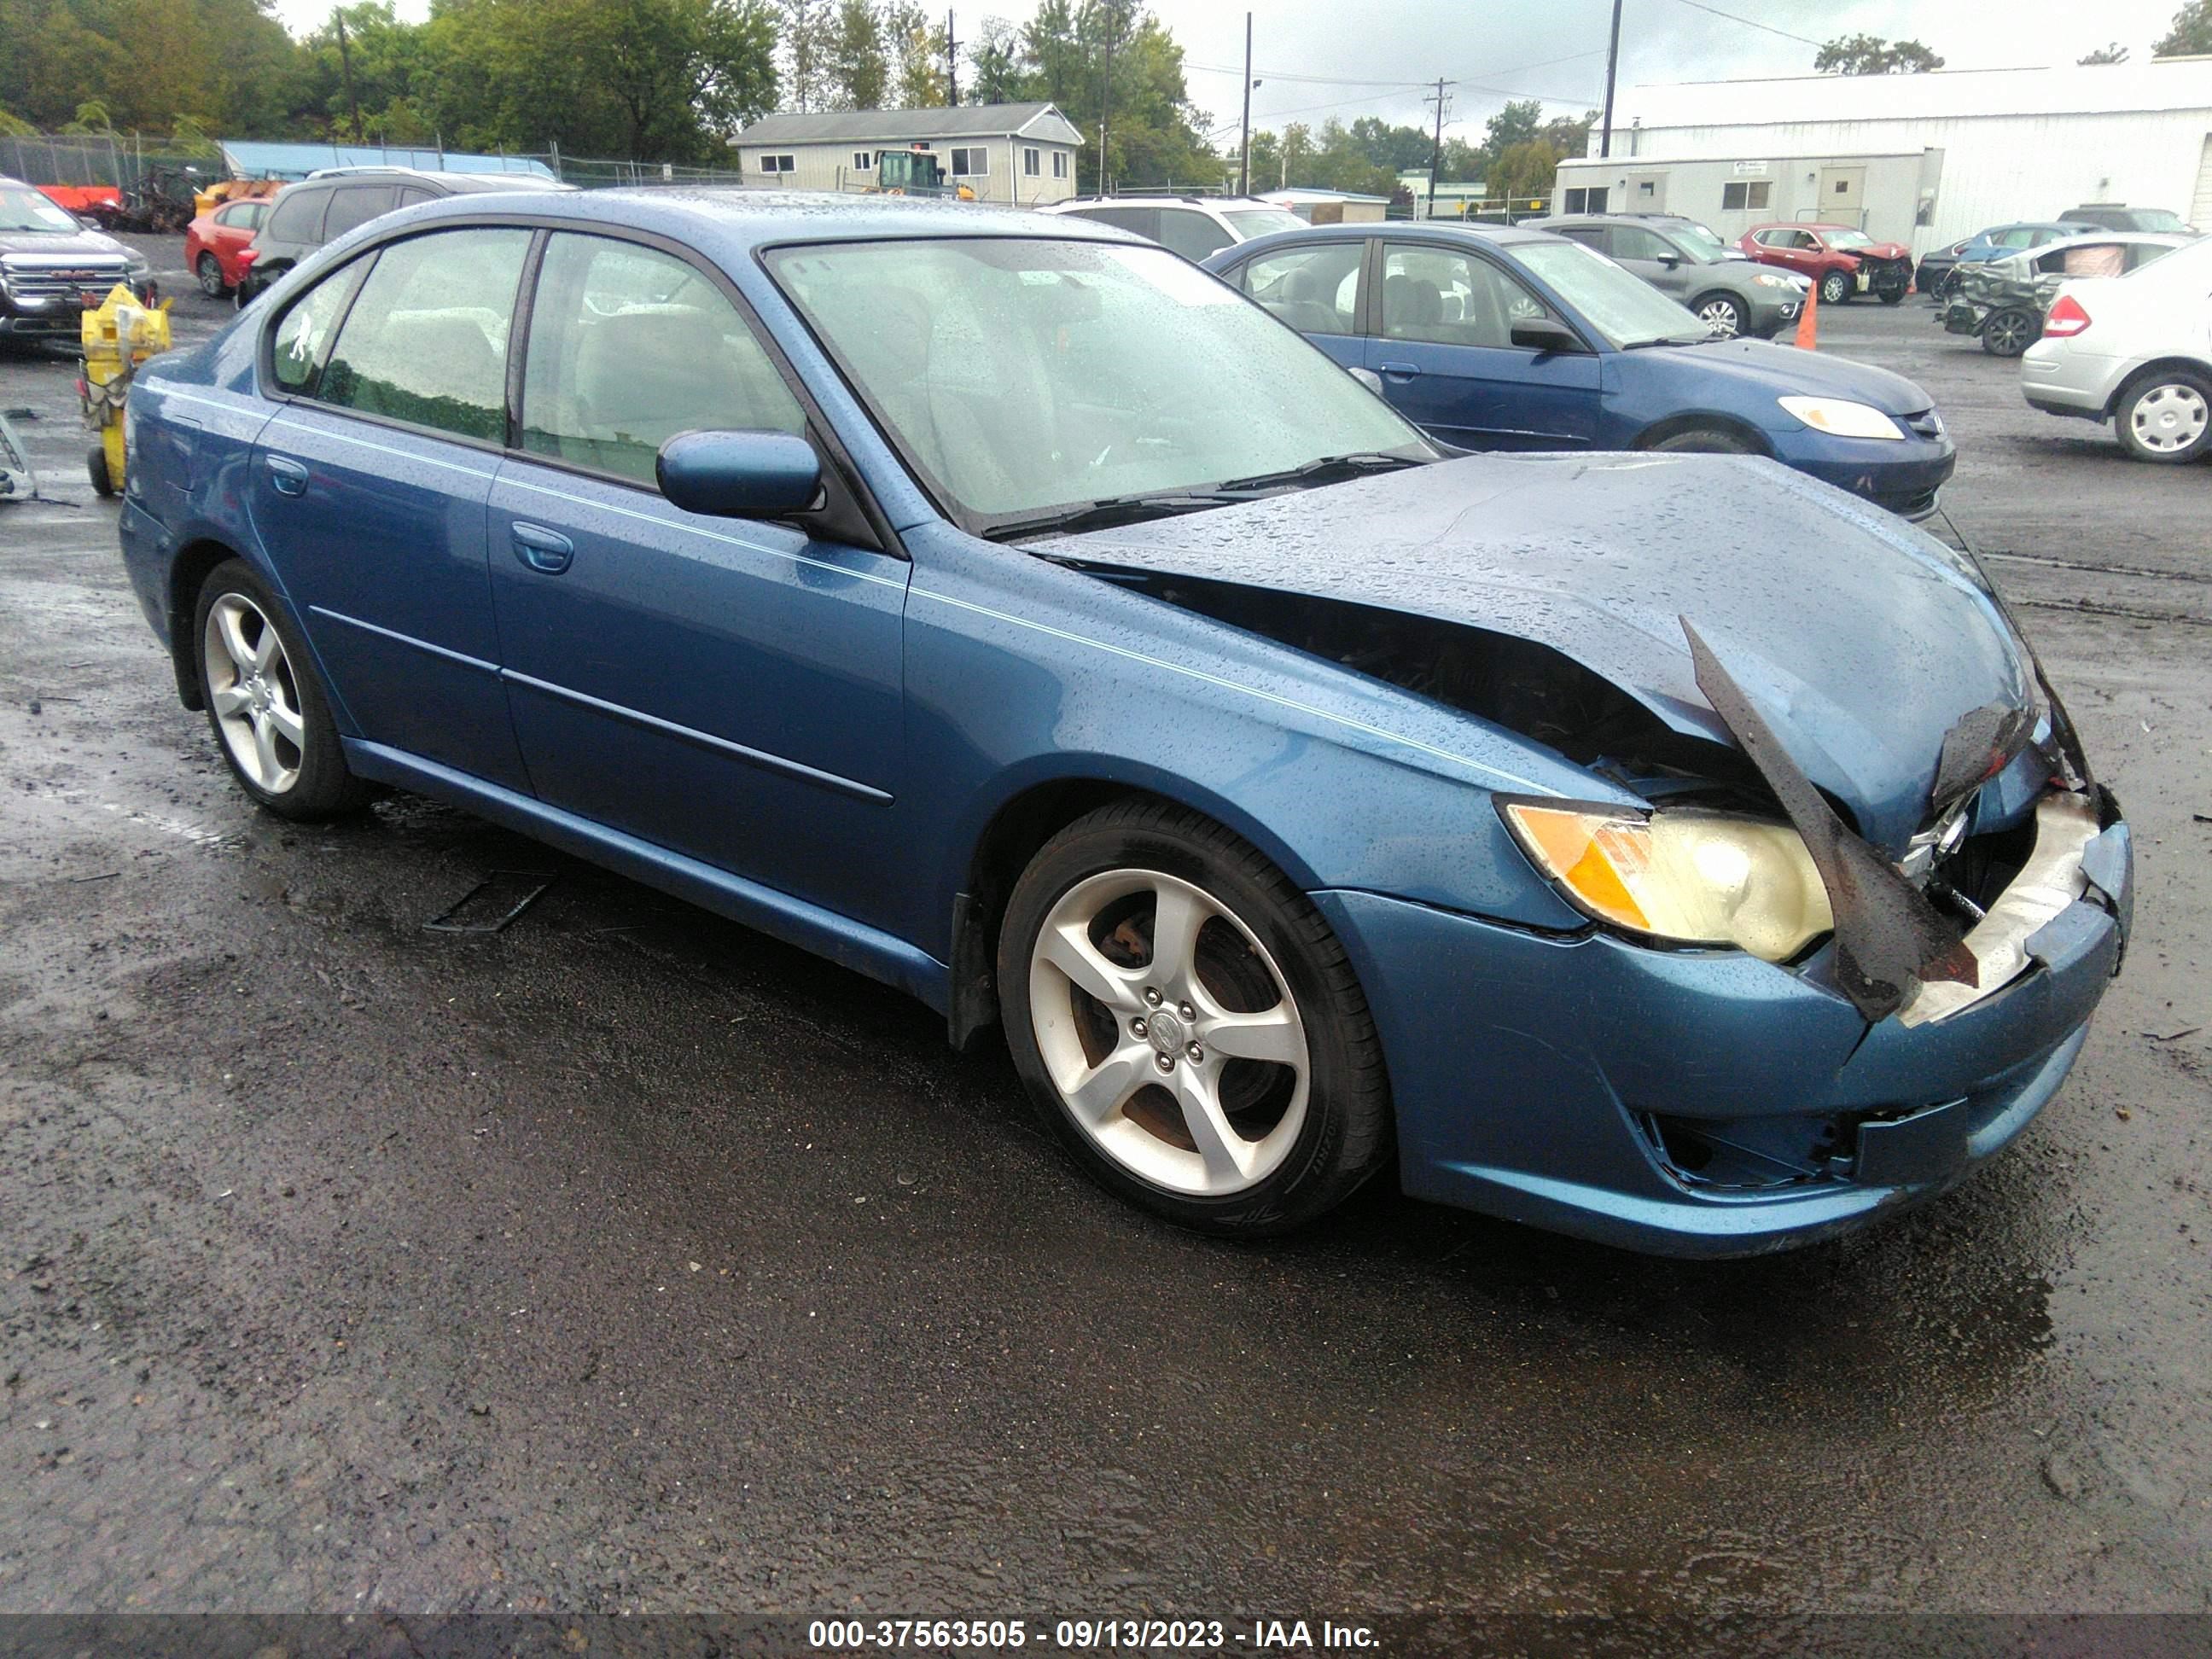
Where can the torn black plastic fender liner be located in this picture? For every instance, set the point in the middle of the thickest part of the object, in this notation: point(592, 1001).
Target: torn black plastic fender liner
point(1979, 746)
point(1888, 937)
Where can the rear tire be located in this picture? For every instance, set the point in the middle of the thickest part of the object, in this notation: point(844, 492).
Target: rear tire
point(1188, 1026)
point(1835, 288)
point(2010, 332)
point(96, 468)
point(209, 269)
point(271, 716)
point(1892, 296)
point(2165, 416)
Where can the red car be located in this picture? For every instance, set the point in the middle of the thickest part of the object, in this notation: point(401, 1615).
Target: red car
point(216, 244)
point(1840, 261)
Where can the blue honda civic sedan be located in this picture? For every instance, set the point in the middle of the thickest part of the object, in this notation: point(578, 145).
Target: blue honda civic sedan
point(1666, 849)
point(1497, 338)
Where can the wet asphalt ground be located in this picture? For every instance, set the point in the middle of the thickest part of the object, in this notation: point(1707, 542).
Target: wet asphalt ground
point(625, 1260)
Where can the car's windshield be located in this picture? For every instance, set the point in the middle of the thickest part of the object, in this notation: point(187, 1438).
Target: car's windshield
point(1249, 222)
point(1848, 239)
point(1024, 375)
point(1703, 241)
point(26, 209)
point(1624, 309)
point(2154, 219)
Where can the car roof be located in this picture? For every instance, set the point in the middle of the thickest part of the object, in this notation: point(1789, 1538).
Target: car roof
point(454, 183)
point(735, 221)
point(1417, 230)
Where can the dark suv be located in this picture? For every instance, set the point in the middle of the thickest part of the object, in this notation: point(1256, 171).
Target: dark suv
point(326, 205)
point(52, 267)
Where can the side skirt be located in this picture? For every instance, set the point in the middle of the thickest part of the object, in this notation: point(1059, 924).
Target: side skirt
point(839, 939)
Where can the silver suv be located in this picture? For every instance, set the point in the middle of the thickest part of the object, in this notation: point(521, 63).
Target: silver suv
point(1193, 226)
point(1730, 293)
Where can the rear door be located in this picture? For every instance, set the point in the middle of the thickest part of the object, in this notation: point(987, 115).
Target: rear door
point(726, 687)
point(368, 487)
point(1444, 346)
point(1315, 288)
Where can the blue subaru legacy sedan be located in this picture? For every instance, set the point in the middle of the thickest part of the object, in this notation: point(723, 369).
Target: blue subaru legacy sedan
point(1497, 338)
point(1669, 849)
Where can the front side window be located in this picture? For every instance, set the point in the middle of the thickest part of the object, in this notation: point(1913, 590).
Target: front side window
point(629, 346)
point(1635, 242)
point(303, 338)
point(427, 341)
point(1060, 164)
point(1192, 234)
point(971, 163)
point(1449, 298)
point(1021, 376)
point(1314, 288)
point(1029, 163)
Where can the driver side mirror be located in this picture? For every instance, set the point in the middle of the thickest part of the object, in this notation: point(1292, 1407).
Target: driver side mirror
point(739, 475)
point(1546, 335)
point(1670, 260)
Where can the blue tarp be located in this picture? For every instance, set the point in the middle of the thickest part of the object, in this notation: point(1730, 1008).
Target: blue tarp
point(253, 159)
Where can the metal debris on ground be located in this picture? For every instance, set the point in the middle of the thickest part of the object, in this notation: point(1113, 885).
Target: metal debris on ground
point(492, 903)
point(18, 483)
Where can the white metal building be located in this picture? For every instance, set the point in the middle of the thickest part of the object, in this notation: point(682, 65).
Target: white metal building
point(1016, 154)
point(1922, 158)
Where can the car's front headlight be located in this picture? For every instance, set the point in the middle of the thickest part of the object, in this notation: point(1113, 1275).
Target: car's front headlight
point(1842, 419)
point(1681, 874)
point(1768, 279)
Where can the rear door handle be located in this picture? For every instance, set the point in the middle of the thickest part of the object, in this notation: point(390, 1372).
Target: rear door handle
point(541, 548)
point(1403, 371)
point(288, 475)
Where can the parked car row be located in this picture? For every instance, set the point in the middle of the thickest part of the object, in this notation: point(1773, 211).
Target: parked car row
point(1660, 847)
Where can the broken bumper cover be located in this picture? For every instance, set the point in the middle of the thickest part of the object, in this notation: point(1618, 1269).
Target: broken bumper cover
point(1574, 1082)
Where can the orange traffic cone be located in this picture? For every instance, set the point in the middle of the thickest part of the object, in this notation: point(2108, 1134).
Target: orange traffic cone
point(1808, 326)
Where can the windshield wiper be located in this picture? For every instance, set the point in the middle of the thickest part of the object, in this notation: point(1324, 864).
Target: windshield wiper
point(1103, 514)
point(1325, 470)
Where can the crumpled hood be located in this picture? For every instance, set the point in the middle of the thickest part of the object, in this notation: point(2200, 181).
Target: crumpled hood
point(1879, 250)
point(1862, 640)
point(1787, 371)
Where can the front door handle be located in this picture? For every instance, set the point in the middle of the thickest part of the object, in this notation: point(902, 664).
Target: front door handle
point(288, 475)
point(1401, 371)
point(544, 549)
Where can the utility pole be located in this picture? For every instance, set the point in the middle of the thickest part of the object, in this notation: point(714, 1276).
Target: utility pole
point(345, 68)
point(1436, 154)
point(1612, 64)
point(1244, 160)
point(1106, 99)
point(951, 63)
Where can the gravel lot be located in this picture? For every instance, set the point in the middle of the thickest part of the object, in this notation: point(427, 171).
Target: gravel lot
point(627, 1261)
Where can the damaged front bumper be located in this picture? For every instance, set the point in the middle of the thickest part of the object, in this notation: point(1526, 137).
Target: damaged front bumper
point(1704, 1103)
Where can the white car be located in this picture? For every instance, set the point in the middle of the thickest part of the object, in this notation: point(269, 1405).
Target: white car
point(2136, 350)
point(1193, 226)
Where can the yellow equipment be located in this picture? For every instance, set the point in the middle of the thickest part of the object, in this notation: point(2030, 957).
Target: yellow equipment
point(117, 336)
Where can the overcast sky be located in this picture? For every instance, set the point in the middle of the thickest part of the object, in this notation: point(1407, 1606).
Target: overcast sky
point(1551, 49)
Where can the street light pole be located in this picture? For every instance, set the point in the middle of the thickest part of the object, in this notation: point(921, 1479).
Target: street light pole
point(1612, 64)
point(1244, 160)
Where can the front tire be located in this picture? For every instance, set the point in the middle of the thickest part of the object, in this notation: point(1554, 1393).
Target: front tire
point(1703, 440)
point(270, 717)
point(1723, 313)
point(1187, 1024)
point(2166, 418)
point(1835, 288)
point(209, 269)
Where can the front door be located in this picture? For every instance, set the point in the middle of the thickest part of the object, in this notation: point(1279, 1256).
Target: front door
point(368, 487)
point(1652, 256)
point(1843, 196)
point(729, 689)
point(1444, 346)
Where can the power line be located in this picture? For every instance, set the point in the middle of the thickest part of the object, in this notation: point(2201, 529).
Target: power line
point(1751, 22)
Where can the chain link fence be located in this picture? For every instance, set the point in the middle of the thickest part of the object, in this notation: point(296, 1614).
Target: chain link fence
point(114, 159)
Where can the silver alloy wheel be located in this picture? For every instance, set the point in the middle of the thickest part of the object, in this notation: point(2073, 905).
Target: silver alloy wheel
point(210, 271)
point(2169, 418)
point(1155, 1063)
point(254, 695)
point(1835, 288)
point(1721, 317)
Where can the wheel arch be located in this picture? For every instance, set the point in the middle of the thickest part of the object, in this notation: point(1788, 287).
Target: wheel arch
point(188, 573)
point(1007, 834)
point(2166, 365)
point(1695, 420)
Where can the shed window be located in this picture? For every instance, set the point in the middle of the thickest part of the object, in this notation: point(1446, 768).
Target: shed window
point(778, 164)
point(1029, 164)
point(1060, 164)
point(1746, 195)
point(971, 163)
point(863, 161)
point(1587, 200)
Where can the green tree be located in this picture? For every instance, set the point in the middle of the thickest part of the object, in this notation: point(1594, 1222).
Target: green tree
point(2191, 31)
point(2114, 53)
point(805, 34)
point(995, 73)
point(916, 44)
point(1869, 54)
point(858, 68)
point(1516, 124)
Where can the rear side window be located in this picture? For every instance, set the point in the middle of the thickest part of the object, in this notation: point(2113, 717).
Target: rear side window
point(629, 346)
point(1191, 235)
point(1142, 220)
point(299, 216)
point(303, 339)
point(1314, 288)
point(427, 343)
point(356, 204)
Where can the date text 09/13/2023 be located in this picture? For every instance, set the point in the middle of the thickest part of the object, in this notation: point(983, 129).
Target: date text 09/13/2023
point(1113, 1635)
